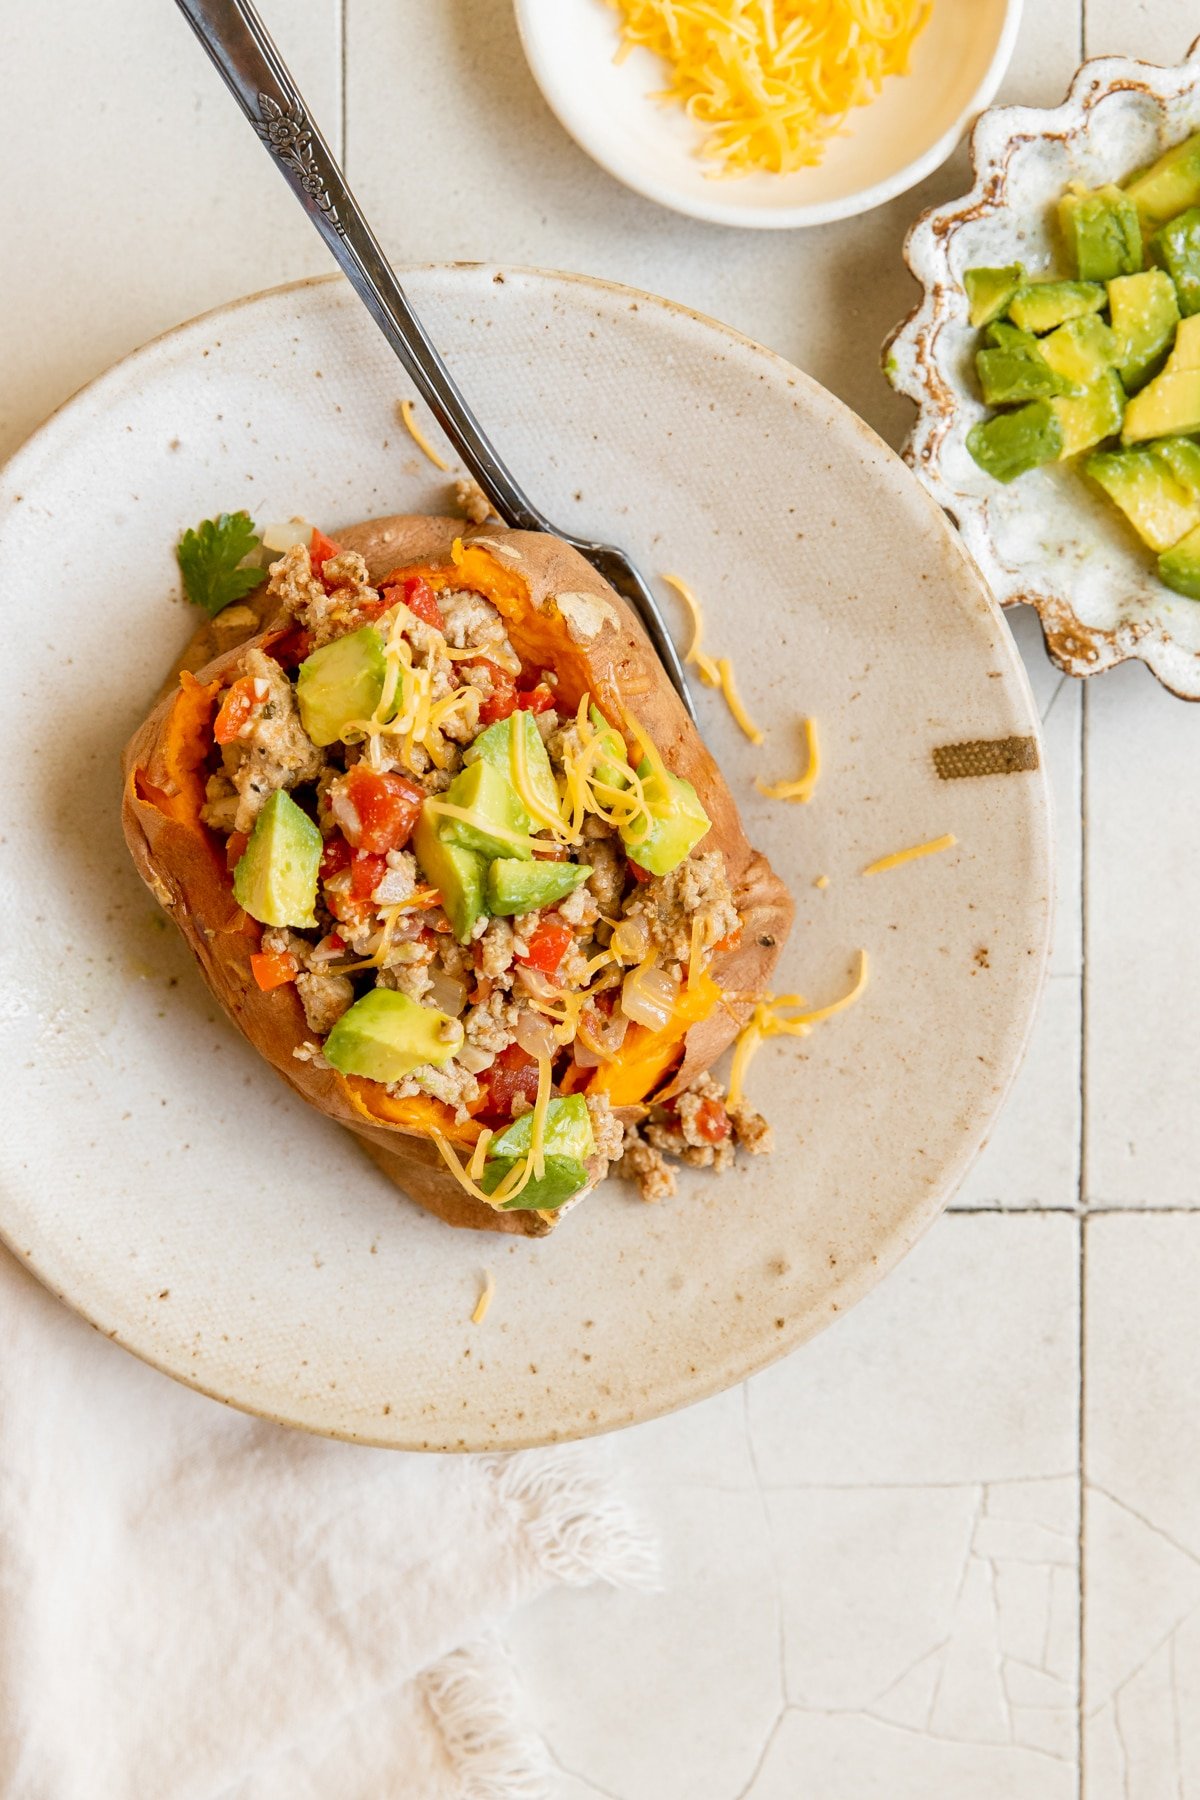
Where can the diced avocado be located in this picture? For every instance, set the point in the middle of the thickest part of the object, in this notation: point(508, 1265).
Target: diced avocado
point(1158, 506)
point(1091, 416)
point(1177, 248)
point(1179, 566)
point(1014, 442)
point(1144, 315)
point(340, 682)
point(500, 823)
point(1170, 405)
point(1005, 377)
point(990, 290)
point(1005, 336)
point(276, 876)
point(561, 1177)
point(614, 771)
point(457, 874)
point(385, 1036)
point(1169, 186)
point(1102, 231)
point(677, 822)
point(568, 1131)
point(1185, 351)
point(517, 887)
point(1042, 305)
point(1182, 457)
point(495, 746)
point(1080, 350)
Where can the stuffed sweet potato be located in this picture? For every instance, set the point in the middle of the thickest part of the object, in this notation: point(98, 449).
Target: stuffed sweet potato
point(451, 855)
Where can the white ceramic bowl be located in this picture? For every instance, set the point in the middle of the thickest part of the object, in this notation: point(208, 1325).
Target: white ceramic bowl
point(1049, 538)
point(889, 146)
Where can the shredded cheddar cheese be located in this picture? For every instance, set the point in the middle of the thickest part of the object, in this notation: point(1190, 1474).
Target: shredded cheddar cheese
point(771, 81)
point(485, 1299)
point(418, 436)
point(734, 702)
point(714, 672)
point(804, 786)
point(768, 1020)
point(821, 881)
point(897, 857)
point(526, 1169)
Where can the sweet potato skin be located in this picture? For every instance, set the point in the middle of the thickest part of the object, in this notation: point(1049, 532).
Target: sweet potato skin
point(180, 862)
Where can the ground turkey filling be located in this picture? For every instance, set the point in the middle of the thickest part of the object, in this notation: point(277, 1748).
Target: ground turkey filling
point(374, 902)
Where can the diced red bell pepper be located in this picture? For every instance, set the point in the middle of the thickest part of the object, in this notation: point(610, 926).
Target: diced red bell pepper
point(537, 699)
point(272, 970)
point(239, 706)
point(387, 806)
point(366, 873)
point(548, 944)
point(513, 1072)
point(636, 870)
point(712, 1121)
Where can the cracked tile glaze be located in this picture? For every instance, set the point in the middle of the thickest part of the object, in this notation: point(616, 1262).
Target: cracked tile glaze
point(1047, 538)
point(299, 1286)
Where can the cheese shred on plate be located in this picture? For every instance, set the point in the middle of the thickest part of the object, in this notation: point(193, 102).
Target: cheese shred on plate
point(894, 861)
point(418, 436)
point(804, 786)
point(769, 1019)
point(485, 1298)
point(714, 672)
point(771, 81)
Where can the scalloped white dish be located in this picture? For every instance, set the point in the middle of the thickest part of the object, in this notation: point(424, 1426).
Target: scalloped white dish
point(166, 1183)
point(1048, 538)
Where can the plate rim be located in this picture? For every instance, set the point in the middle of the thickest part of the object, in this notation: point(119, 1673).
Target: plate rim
point(891, 1248)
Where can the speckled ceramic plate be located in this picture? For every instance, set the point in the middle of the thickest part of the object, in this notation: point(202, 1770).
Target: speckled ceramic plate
point(163, 1181)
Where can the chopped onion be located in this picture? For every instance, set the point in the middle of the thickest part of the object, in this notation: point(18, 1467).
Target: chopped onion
point(535, 983)
point(446, 992)
point(648, 997)
point(630, 941)
point(278, 538)
point(474, 1060)
point(535, 1034)
point(345, 813)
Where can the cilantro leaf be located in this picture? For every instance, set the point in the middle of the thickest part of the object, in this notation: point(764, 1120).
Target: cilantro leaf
point(209, 558)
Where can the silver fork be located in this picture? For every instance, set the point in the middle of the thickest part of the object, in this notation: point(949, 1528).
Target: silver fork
point(258, 78)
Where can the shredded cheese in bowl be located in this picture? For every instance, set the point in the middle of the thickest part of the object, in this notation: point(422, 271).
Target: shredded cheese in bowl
point(771, 81)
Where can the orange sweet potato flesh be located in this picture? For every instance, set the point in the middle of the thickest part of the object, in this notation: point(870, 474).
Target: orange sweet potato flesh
point(595, 644)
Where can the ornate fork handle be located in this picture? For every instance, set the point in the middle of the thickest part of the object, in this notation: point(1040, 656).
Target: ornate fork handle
point(241, 49)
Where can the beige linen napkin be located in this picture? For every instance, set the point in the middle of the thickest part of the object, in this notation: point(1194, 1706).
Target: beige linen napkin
point(196, 1605)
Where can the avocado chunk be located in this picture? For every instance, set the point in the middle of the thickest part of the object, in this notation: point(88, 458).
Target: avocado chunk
point(517, 887)
point(1179, 566)
point(1182, 457)
point(1080, 350)
point(568, 1131)
point(458, 875)
point(1177, 248)
point(495, 746)
point(340, 682)
point(1144, 315)
point(1170, 405)
point(1160, 508)
point(385, 1036)
point(1089, 417)
point(677, 822)
point(561, 1177)
point(1042, 305)
point(1185, 351)
point(276, 875)
point(1007, 375)
point(990, 290)
point(1102, 231)
point(1014, 442)
point(500, 822)
point(1169, 186)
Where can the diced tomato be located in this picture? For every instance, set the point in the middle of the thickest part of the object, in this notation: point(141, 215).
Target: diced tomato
point(272, 970)
point(538, 699)
point(636, 870)
point(712, 1121)
point(548, 944)
point(291, 647)
point(513, 1072)
point(416, 594)
point(239, 706)
point(503, 698)
point(235, 845)
point(335, 857)
point(320, 550)
point(387, 807)
point(366, 873)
